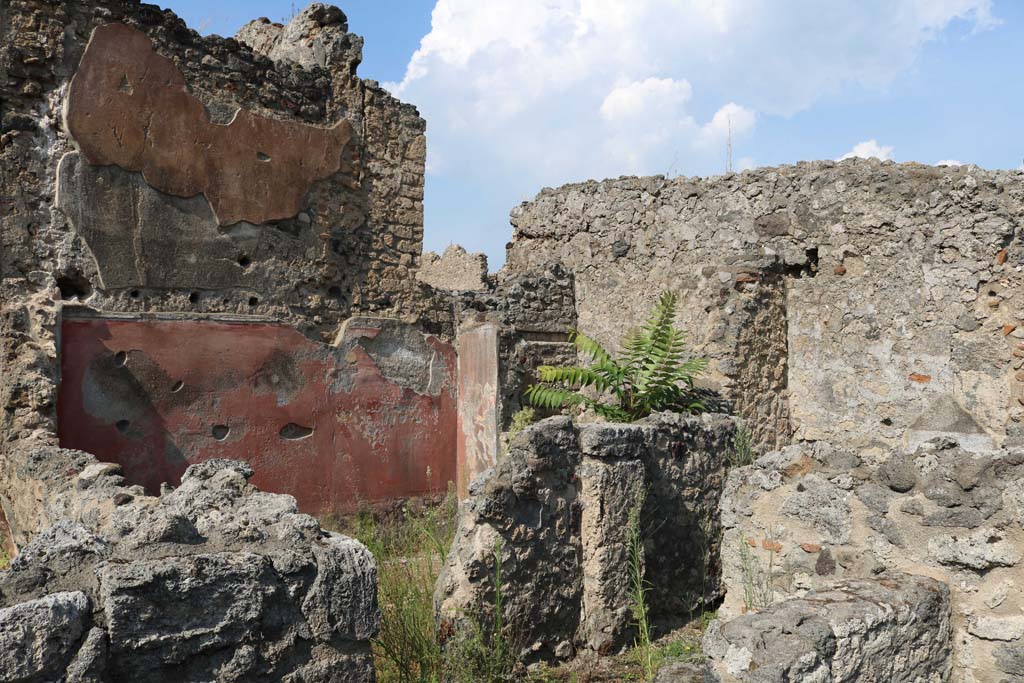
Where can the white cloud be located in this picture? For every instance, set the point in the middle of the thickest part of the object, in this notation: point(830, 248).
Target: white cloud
point(542, 92)
point(731, 120)
point(869, 149)
point(662, 97)
point(949, 162)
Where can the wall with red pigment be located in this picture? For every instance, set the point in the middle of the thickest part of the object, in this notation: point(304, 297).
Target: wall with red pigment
point(370, 418)
point(478, 429)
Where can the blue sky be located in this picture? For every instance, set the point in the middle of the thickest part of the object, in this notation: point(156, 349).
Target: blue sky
point(522, 94)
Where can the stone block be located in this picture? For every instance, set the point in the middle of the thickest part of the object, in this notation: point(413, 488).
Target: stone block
point(823, 505)
point(342, 601)
point(154, 622)
point(895, 629)
point(38, 638)
point(981, 549)
point(611, 497)
point(557, 507)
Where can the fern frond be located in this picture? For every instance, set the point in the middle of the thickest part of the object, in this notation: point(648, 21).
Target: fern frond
point(634, 348)
point(589, 346)
point(551, 398)
point(653, 373)
point(612, 413)
point(573, 377)
point(660, 322)
point(692, 368)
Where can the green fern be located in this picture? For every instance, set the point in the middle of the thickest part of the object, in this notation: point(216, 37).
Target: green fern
point(653, 373)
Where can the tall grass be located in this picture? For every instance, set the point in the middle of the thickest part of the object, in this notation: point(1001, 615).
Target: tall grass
point(743, 452)
point(758, 582)
point(638, 590)
point(410, 552)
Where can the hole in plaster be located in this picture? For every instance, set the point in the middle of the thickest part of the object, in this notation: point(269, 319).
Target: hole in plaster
point(193, 297)
point(74, 285)
point(293, 432)
point(244, 261)
point(253, 301)
point(178, 386)
point(334, 292)
point(812, 260)
point(122, 426)
point(220, 432)
point(887, 422)
point(121, 359)
point(262, 157)
point(808, 268)
point(134, 294)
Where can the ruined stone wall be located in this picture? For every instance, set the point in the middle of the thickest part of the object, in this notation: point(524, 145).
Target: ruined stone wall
point(149, 172)
point(854, 300)
point(348, 246)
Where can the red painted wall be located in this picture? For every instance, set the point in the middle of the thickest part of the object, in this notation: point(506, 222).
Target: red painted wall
point(321, 423)
point(478, 430)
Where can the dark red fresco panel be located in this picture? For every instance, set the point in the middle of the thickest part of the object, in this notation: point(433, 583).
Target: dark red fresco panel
point(317, 422)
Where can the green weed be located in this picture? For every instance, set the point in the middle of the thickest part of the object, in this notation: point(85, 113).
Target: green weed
point(743, 452)
point(484, 650)
point(638, 590)
point(410, 552)
point(521, 419)
point(758, 582)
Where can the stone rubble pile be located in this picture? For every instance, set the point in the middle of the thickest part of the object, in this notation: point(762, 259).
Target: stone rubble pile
point(893, 629)
point(810, 514)
point(214, 580)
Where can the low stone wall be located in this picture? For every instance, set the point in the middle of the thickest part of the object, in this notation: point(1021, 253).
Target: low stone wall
point(891, 630)
point(212, 581)
point(557, 508)
point(802, 517)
